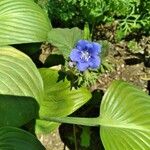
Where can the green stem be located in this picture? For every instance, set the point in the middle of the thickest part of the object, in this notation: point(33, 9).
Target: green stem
point(76, 120)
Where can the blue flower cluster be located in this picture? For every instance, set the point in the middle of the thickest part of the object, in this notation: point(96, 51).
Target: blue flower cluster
point(86, 55)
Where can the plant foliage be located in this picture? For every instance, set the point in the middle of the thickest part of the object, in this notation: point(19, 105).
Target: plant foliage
point(125, 121)
point(16, 139)
point(130, 16)
point(22, 83)
point(59, 98)
point(124, 118)
point(46, 96)
point(64, 39)
point(22, 22)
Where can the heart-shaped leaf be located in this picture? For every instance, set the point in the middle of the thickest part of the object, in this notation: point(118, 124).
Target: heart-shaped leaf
point(64, 39)
point(125, 118)
point(22, 21)
point(17, 139)
point(60, 99)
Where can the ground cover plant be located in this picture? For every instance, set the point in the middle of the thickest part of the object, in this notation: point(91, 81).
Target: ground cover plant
point(39, 91)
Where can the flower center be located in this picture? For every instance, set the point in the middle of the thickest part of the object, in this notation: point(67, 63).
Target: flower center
point(85, 55)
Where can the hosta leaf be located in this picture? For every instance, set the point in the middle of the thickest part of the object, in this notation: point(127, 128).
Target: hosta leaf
point(22, 21)
point(59, 100)
point(64, 39)
point(17, 139)
point(19, 81)
point(17, 110)
point(19, 76)
point(125, 118)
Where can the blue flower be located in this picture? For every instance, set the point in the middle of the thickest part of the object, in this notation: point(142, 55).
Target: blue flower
point(86, 55)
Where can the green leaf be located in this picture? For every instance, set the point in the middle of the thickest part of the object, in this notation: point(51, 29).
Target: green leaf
point(60, 99)
point(20, 85)
point(17, 110)
point(64, 39)
point(86, 32)
point(19, 76)
point(17, 139)
point(22, 21)
point(125, 118)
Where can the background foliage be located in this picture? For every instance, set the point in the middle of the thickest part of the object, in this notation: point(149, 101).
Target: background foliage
point(130, 16)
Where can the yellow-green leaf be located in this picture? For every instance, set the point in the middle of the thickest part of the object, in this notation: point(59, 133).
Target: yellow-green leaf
point(125, 118)
point(60, 100)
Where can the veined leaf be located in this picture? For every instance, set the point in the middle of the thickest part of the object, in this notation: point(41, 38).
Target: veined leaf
point(18, 75)
point(64, 39)
point(22, 21)
point(59, 99)
point(16, 139)
point(20, 85)
point(125, 118)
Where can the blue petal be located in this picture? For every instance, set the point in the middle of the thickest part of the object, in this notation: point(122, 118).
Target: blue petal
point(79, 48)
point(89, 47)
point(94, 62)
point(75, 55)
point(96, 48)
point(82, 66)
point(82, 44)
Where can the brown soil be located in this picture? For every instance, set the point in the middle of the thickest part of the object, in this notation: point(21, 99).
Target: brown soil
point(52, 141)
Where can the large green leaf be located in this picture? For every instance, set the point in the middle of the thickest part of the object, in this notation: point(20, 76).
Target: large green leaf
point(64, 39)
point(18, 75)
point(20, 85)
point(17, 110)
point(60, 99)
point(22, 21)
point(125, 118)
point(17, 139)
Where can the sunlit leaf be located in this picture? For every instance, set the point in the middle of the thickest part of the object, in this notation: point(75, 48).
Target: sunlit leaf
point(17, 139)
point(18, 75)
point(60, 99)
point(22, 21)
point(125, 118)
